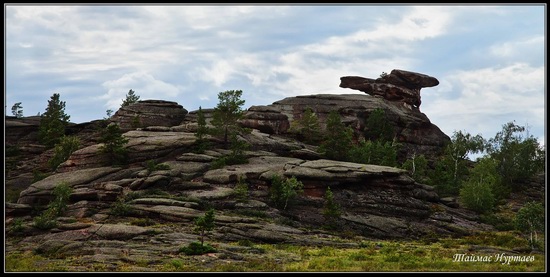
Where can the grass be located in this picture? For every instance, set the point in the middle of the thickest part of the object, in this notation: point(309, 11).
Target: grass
point(367, 256)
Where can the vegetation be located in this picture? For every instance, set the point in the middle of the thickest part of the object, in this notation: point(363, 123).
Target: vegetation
point(153, 166)
point(331, 210)
point(477, 193)
point(452, 169)
point(227, 113)
point(374, 152)
point(205, 223)
point(131, 98)
point(56, 207)
point(519, 155)
point(109, 113)
point(17, 110)
point(113, 144)
point(338, 138)
point(202, 132)
point(307, 128)
point(120, 207)
point(284, 190)
point(197, 248)
point(378, 126)
point(417, 166)
point(63, 150)
point(367, 256)
point(530, 220)
point(53, 122)
point(136, 122)
point(241, 190)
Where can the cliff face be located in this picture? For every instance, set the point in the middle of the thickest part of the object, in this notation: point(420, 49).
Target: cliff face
point(377, 201)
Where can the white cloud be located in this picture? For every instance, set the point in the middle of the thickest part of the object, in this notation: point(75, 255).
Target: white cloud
point(488, 98)
point(515, 48)
point(144, 84)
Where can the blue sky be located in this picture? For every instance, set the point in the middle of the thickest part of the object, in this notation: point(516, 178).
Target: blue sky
point(490, 60)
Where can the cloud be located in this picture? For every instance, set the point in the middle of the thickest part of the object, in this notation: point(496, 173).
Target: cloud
point(144, 84)
point(487, 98)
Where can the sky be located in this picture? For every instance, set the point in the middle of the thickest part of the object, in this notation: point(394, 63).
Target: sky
point(489, 59)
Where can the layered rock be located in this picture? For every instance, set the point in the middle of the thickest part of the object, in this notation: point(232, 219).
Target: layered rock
point(266, 119)
point(149, 113)
point(399, 85)
point(412, 128)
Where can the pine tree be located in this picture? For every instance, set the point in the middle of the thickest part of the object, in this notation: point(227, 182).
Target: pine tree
point(204, 224)
point(113, 144)
point(131, 98)
point(227, 113)
point(17, 110)
point(202, 131)
point(53, 122)
point(331, 210)
point(377, 126)
point(307, 128)
point(338, 138)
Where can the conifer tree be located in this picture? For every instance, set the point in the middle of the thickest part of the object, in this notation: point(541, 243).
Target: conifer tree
point(53, 122)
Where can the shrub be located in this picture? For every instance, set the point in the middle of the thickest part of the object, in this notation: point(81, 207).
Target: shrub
point(331, 209)
point(56, 207)
point(374, 152)
point(153, 166)
point(63, 150)
point(284, 191)
point(241, 190)
point(477, 196)
point(307, 128)
point(120, 207)
point(201, 133)
point(338, 138)
point(530, 219)
point(197, 248)
point(37, 175)
point(378, 127)
point(113, 144)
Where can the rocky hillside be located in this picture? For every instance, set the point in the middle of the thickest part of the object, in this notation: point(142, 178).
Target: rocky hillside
point(135, 212)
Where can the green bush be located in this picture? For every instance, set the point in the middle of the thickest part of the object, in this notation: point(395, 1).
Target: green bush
point(56, 207)
point(530, 219)
point(37, 175)
point(331, 209)
point(374, 152)
point(338, 138)
point(307, 128)
point(241, 190)
point(113, 144)
point(201, 133)
point(63, 150)
point(153, 166)
point(204, 224)
point(120, 207)
point(197, 248)
point(477, 196)
point(283, 191)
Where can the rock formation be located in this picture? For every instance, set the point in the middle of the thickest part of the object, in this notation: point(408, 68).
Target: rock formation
point(413, 129)
point(376, 201)
point(149, 113)
point(399, 85)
